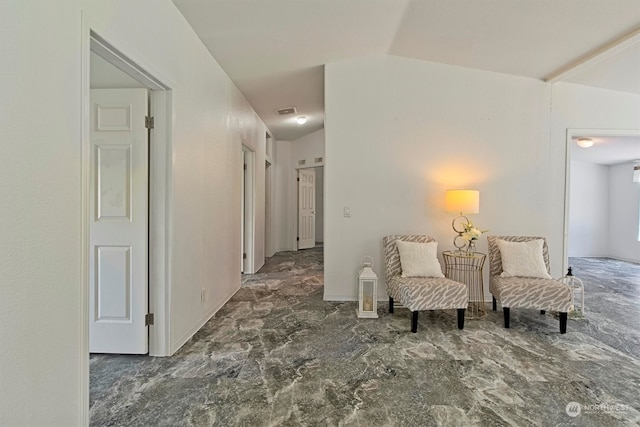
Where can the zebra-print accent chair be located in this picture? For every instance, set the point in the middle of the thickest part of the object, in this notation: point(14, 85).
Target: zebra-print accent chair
point(526, 292)
point(420, 293)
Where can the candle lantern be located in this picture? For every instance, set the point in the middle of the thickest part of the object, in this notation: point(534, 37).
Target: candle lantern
point(367, 290)
point(577, 289)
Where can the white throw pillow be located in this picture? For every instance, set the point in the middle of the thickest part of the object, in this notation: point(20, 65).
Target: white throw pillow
point(523, 259)
point(419, 259)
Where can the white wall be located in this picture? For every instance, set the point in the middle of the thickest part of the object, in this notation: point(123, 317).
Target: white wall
point(43, 351)
point(283, 197)
point(604, 212)
point(319, 204)
point(399, 132)
point(581, 107)
point(589, 210)
point(624, 214)
point(308, 148)
point(40, 277)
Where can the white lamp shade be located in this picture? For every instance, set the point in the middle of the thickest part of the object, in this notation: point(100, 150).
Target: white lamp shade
point(462, 201)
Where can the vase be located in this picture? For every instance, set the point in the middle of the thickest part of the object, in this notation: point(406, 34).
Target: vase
point(471, 247)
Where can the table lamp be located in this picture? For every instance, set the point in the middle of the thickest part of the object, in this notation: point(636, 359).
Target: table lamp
point(461, 202)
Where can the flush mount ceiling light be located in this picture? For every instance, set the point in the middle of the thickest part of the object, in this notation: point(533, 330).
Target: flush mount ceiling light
point(585, 142)
point(301, 120)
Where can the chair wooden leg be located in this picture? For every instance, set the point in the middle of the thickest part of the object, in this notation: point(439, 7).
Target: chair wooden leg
point(390, 305)
point(494, 303)
point(414, 322)
point(461, 318)
point(563, 322)
point(505, 310)
point(542, 312)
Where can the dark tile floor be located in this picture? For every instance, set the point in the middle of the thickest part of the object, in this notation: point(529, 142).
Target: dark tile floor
point(277, 354)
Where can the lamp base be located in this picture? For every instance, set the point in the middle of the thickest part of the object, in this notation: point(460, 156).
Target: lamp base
point(458, 224)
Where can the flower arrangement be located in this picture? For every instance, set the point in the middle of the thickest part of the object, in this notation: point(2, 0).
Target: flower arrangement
point(471, 232)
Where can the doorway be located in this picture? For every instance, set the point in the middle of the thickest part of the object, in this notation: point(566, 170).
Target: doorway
point(106, 67)
point(247, 211)
point(310, 207)
point(602, 204)
point(269, 248)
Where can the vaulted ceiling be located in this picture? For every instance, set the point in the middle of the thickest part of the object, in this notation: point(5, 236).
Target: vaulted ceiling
point(275, 50)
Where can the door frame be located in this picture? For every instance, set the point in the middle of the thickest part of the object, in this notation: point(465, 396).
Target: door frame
point(297, 221)
point(572, 133)
point(248, 208)
point(269, 199)
point(296, 205)
point(269, 247)
point(108, 46)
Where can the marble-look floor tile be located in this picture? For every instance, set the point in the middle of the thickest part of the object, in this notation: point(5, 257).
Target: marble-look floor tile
point(277, 354)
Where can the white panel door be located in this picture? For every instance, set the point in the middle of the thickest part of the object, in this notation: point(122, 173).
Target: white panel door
point(306, 208)
point(119, 222)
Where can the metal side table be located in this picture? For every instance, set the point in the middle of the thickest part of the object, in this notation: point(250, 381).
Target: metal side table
point(467, 268)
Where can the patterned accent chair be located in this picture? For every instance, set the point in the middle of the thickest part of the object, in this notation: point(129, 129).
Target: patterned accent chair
point(420, 293)
point(526, 292)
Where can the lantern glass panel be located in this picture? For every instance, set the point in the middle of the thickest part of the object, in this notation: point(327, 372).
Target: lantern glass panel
point(367, 295)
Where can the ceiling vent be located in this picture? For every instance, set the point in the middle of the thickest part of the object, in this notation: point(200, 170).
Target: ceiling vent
point(286, 111)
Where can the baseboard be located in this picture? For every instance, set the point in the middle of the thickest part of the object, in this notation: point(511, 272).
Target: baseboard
point(258, 268)
point(284, 250)
point(633, 261)
point(589, 256)
point(187, 336)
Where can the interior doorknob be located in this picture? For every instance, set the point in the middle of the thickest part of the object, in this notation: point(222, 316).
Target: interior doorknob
point(313, 212)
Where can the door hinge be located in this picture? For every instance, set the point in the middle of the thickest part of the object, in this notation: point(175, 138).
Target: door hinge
point(148, 122)
point(245, 166)
point(298, 179)
point(244, 256)
point(297, 239)
point(148, 319)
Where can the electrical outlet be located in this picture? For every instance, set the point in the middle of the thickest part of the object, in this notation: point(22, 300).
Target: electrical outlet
point(203, 294)
point(347, 212)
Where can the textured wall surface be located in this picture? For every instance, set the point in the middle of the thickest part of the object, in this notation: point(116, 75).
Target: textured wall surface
point(400, 132)
point(43, 349)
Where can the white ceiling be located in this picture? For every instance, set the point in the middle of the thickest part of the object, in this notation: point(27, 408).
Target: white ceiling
point(607, 150)
point(275, 50)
